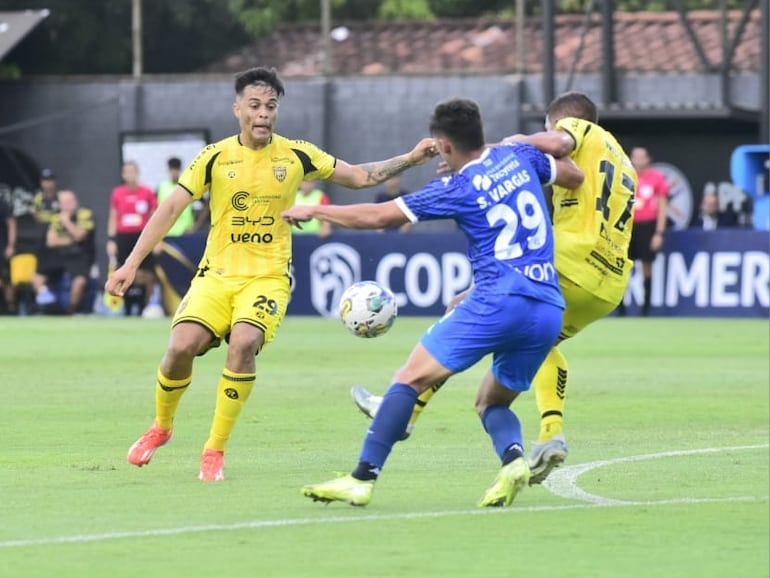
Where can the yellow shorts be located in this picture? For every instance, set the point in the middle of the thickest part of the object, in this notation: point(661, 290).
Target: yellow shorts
point(583, 308)
point(218, 304)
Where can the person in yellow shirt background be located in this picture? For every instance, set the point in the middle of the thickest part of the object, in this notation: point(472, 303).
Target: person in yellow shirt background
point(309, 194)
point(186, 221)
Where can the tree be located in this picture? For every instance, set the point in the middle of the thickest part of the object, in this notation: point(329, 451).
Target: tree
point(94, 36)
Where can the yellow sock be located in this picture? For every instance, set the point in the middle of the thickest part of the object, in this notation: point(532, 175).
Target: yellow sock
point(550, 386)
point(232, 392)
point(422, 401)
point(168, 393)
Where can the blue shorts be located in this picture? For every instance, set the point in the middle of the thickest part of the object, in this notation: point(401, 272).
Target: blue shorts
point(519, 331)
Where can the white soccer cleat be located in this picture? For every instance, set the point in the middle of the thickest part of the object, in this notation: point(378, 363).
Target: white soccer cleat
point(368, 403)
point(545, 457)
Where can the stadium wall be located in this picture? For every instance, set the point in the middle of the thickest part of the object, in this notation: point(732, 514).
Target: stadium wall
point(73, 125)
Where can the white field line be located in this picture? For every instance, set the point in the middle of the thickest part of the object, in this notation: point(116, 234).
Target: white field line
point(258, 524)
point(563, 481)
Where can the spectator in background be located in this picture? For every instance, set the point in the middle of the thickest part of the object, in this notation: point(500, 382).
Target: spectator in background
point(186, 221)
point(711, 217)
point(131, 206)
point(46, 202)
point(392, 191)
point(650, 219)
point(70, 251)
point(7, 250)
point(309, 194)
point(45, 207)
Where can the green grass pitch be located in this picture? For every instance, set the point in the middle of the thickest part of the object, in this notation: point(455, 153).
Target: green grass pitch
point(668, 425)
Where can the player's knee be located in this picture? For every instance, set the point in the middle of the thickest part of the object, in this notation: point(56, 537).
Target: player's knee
point(418, 380)
point(185, 345)
point(241, 349)
point(487, 399)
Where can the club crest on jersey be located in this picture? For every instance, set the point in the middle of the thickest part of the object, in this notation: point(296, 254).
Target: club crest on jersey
point(280, 173)
point(230, 174)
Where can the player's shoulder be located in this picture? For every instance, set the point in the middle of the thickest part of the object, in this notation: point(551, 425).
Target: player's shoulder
point(296, 144)
point(229, 143)
point(224, 146)
point(579, 128)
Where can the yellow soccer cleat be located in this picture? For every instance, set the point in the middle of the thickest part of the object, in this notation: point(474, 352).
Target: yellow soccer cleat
point(345, 489)
point(509, 482)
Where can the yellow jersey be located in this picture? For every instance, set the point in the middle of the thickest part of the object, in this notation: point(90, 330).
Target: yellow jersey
point(248, 191)
point(592, 224)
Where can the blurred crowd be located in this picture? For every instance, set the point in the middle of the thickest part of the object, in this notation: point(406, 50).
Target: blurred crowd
point(48, 254)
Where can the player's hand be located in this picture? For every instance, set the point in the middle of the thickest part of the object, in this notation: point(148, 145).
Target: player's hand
point(297, 215)
point(120, 280)
point(423, 152)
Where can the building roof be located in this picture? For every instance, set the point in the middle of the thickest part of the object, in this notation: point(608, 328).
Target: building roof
point(16, 25)
point(644, 42)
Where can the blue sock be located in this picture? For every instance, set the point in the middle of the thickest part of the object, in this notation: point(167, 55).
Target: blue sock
point(388, 425)
point(504, 428)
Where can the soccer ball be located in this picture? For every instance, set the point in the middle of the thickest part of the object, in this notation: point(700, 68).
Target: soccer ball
point(367, 309)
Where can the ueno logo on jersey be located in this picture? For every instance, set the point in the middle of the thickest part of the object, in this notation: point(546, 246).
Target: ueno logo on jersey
point(251, 236)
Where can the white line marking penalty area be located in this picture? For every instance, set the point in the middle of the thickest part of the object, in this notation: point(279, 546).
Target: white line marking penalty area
point(563, 481)
point(562, 485)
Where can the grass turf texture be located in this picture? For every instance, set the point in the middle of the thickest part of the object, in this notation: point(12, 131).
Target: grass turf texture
point(77, 392)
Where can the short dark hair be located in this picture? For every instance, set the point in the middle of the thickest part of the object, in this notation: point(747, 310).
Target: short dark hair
point(259, 76)
point(459, 119)
point(174, 163)
point(574, 104)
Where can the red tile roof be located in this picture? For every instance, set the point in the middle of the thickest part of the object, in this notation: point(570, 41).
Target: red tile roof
point(644, 42)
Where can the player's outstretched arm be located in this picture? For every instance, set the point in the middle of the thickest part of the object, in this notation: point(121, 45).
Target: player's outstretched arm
point(371, 174)
point(359, 216)
point(554, 142)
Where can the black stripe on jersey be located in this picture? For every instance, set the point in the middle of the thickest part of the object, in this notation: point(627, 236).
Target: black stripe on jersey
point(209, 167)
point(307, 164)
point(587, 130)
point(185, 188)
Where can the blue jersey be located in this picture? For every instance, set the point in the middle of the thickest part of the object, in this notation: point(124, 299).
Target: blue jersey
point(497, 201)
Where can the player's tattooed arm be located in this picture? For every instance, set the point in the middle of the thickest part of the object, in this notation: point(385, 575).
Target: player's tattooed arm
point(379, 172)
point(374, 173)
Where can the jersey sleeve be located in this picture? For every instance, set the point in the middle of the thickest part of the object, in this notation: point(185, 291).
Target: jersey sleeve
point(439, 199)
point(196, 178)
point(543, 163)
point(317, 164)
point(577, 128)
